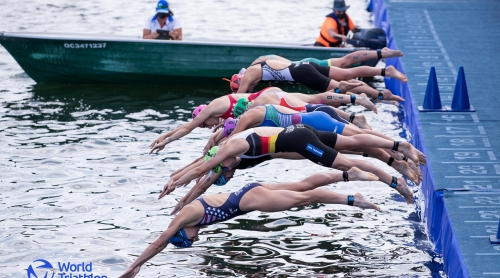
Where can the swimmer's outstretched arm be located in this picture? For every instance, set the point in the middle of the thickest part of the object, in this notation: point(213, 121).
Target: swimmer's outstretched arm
point(247, 120)
point(231, 149)
point(168, 134)
point(196, 161)
point(214, 140)
point(200, 187)
point(188, 168)
point(185, 129)
point(250, 79)
point(160, 243)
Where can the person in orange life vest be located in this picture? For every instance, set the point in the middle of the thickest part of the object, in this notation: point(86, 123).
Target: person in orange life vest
point(337, 24)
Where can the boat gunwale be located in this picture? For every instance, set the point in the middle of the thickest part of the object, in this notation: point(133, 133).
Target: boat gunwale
point(80, 37)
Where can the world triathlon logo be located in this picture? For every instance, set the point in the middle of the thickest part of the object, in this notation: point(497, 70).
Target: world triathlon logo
point(43, 269)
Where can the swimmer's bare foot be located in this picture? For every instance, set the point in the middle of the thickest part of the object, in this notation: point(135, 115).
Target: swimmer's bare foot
point(405, 191)
point(415, 168)
point(388, 95)
point(407, 149)
point(346, 86)
point(356, 174)
point(361, 202)
point(360, 121)
point(395, 155)
point(391, 71)
point(422, 159)
point(403, 168)
point(364, 101)
point(389, 53)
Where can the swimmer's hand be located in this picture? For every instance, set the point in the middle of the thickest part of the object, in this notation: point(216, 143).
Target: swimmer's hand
point(167, 189)
point(221, 124)
point(209, 145)
point(131, 272)
point(158, 146)
point(158, 140)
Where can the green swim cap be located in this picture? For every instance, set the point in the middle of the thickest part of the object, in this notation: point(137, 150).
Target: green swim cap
point(211, 153)
point(241, 106)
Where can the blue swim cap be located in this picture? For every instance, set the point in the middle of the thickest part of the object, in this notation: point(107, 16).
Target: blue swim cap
point(221, 180)
point(180, 239)
point(162, 7)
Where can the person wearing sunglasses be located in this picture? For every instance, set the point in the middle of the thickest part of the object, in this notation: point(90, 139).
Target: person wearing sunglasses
point(165, 21)
point(337, 24)
point(183, 230)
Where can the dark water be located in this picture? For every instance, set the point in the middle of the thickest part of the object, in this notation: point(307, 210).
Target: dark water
point(78, 186)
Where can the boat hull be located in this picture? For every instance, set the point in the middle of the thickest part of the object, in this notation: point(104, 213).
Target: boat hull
point(68, 59)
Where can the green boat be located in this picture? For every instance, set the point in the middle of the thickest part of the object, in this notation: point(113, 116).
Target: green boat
point(91, 59)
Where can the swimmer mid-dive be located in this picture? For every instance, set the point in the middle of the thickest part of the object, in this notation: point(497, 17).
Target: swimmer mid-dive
point(279, 116)
point(316, 146)
point(183, 229)
point(345, 61)
point(223, 107)
point(310, 74)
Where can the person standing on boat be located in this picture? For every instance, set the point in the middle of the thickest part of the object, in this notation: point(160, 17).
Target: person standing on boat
point(337, 23)
point(163, 20)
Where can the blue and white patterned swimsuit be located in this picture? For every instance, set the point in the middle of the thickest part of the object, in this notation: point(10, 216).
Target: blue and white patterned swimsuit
point(230, 209)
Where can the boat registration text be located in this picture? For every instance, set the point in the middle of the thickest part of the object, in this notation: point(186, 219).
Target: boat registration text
point(85, 45)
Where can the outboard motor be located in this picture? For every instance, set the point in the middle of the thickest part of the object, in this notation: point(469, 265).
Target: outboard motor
point(373, 38)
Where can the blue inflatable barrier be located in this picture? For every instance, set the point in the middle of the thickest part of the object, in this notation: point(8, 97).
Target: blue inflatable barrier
point(436, 215)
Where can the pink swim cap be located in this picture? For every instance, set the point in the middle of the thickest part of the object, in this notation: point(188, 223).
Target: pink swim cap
point(229, 126)
point(197, 111)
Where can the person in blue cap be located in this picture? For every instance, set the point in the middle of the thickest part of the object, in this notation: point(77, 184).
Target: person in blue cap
point(163, 20)
point(337, 24)
point(184, 228)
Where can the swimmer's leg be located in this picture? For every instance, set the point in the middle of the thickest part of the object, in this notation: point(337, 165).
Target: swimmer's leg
point(387, 95)
point(365, 71)
point(334, 99)
point(357, 120)
point(364, 55)
point(343, 163)
point(322, 179)
point(265, 200)
point(368, 140)
point(360, 88)
point(399, 165)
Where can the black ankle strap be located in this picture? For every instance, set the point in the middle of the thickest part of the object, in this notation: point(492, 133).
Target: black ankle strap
point(380, 96)
point(391, 160)
point(382, 72)
point(379, 53)
point(350, 200)
point(394, 182)
point(353, 99)
point(351, 118)
point(405, 158)
point(396, 146)
point(345, 176)
point(337, 90)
